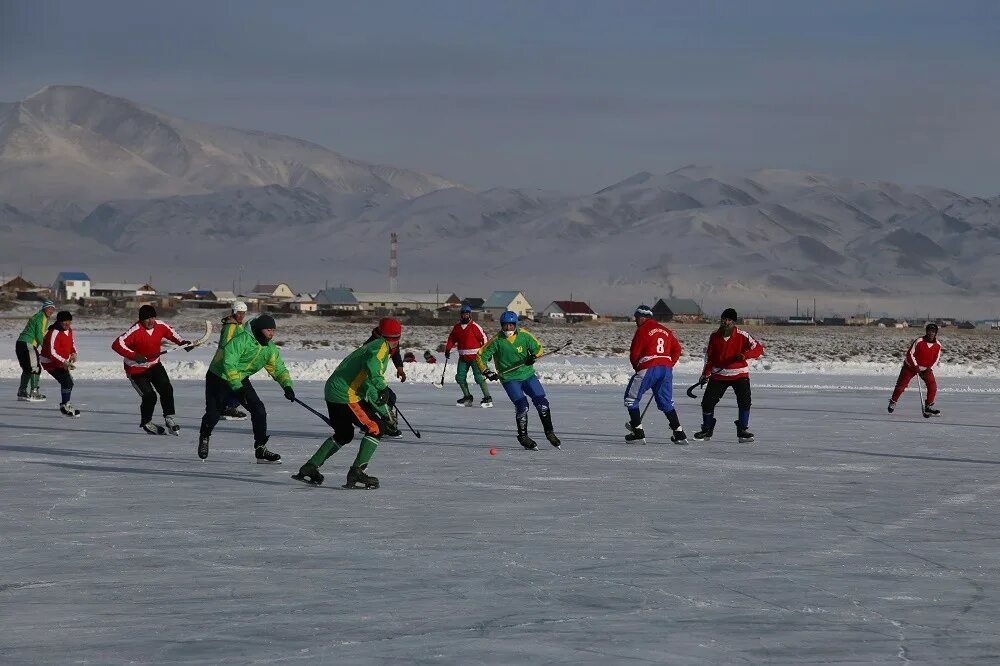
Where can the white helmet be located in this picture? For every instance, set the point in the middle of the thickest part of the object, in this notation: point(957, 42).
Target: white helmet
point(239, 306)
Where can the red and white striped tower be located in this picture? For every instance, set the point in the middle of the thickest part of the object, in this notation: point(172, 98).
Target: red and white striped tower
point(393, 264)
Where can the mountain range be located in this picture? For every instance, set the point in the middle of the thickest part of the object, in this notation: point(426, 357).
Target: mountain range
point(99, 183)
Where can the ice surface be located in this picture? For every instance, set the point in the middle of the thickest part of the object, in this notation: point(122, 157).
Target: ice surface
point(843, 535)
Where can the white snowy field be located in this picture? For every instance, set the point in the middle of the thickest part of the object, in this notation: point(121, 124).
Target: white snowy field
point(844, 535)
point(313, 346)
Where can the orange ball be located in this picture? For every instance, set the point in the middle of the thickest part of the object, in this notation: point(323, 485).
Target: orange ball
point(493, 452)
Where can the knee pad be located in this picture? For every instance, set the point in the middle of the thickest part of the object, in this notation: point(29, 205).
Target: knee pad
point(541, 403)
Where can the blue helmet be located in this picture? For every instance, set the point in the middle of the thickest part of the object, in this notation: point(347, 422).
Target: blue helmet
point(508, 317)
point(466, 308)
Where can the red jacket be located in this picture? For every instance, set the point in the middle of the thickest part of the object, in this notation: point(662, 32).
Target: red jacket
point(923, 355)
point(137, 340)
point(653, 344)
point(468, 338)
point(56, 348)
point(720, 356)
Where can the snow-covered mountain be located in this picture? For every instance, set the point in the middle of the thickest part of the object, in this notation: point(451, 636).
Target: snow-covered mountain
point(72, 144)
point(204, 200)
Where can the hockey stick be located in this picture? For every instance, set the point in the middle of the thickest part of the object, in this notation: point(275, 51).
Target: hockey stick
point(197, 343)
point(443, 371)
point(400, 414)
point(697, 384)
point(920, 392)
point(646, 408)
point(522, 363)
point(325, 419)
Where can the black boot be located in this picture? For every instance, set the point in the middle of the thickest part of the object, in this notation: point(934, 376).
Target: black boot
point(522, 433)
point(705, 433)
point(929, 411)
point(203, 446)
point(309, 473)
point(233, 414)
point(391, 426)
point(545, 416)
point(679, 437)
point(636, 435)
point(263, 455)
point(742, 434)
point(356, 476)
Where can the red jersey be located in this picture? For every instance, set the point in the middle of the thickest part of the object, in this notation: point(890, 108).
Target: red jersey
point(56, 348)
point(654, 344)
point(138, 341)
point(469, 338)
point(720, 356)
point(923, 355)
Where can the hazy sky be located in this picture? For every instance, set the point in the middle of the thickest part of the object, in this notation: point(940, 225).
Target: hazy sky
point(567, 95)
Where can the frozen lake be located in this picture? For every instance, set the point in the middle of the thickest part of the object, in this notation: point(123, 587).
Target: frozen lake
point(843, 535)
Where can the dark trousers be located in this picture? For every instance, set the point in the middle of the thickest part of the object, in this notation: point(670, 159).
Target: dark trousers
point(147, 384)
point(217, 393)
point(715, 390)
point(27, 358)
point(65, 380)
point(343, 418)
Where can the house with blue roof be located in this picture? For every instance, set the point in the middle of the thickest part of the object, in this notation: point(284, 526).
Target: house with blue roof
point(71, 285)
point(336, 299)
point(508, 300)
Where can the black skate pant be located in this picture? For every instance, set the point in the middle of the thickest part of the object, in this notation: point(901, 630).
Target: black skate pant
point(147, 384)
point(217, 394)
point(343, 418)
point(27, 358)
point(715, 390)
point(65, 380)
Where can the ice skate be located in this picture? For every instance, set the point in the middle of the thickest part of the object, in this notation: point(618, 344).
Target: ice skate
point(545, 416)
point(309, 473)
point(356, 476)
point(524, 440)
point(391, 426)
point(635, 435)
point(679, 437)
point(486, 402)
point(553, 439)
point(22, 396)
point(203, 447)
point(929, 411)
point(233, 414)
point(69, 410)
point(153, 429)
point(742, 434)
point(703, 435)
point(892, 406)
point(264, 456)
point(172, 425)
point(464, 401)
point(36, 396)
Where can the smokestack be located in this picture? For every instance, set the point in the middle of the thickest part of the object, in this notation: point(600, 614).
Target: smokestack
point(393, 264)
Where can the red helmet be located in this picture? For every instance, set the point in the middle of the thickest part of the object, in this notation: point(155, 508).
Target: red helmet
point(389, 327)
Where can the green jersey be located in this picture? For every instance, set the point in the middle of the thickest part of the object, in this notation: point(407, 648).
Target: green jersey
point(34, 330)
point(229, 328)
point(361, 375)
point(243, 356)
point(507, 352)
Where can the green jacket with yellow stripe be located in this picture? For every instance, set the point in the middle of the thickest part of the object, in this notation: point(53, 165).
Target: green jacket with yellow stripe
point(243, 356)
point(507, 352)
point(361, 375)
point(34, 330)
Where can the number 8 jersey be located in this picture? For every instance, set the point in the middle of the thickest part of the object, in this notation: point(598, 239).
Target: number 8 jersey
point(654, 344)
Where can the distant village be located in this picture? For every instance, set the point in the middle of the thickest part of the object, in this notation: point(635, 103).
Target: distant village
point(110, 297)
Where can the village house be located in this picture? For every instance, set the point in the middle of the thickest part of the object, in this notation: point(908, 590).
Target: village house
point(336, 300)
point(508, 300)
point(112, 290)
point(677, 309)
point(405, 302)
point(71, 286)
point(568, 311)
point(280, 290)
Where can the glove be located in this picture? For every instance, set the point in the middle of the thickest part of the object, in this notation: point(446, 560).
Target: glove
point(490, 375)
point(401, 374)
point(447, 354)
point(289, 393)
point(530, 360)
point(139, 358)
point(703, 380)
point(187, 345)
point(387, 397)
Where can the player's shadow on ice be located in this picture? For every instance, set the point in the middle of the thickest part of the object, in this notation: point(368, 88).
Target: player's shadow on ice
point(82, 453)
point(974, 461)
point(155, 472)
